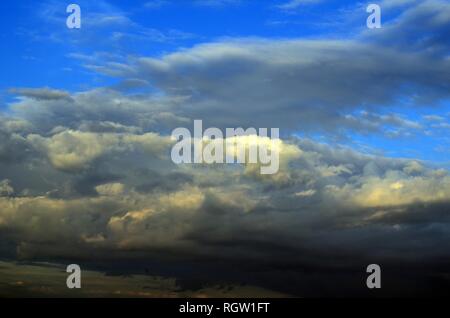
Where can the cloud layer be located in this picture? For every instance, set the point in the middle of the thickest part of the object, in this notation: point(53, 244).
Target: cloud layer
point(87, 176)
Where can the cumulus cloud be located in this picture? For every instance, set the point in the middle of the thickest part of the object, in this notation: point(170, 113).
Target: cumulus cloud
point(88, 176)
point(5, 188)
point(321, 197)
point(396, 189)
point(73, 150)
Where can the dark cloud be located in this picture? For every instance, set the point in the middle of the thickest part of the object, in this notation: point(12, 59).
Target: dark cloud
point(295, 84)
point(308, 85)
point(423, 26)
point(40, 93)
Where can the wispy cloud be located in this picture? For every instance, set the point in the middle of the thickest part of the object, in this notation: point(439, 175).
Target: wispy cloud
point(295, 4)
point(215, 3)
point(156, 4)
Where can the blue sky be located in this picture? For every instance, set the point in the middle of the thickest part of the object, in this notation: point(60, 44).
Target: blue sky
point(39, 51)
point(36, 37)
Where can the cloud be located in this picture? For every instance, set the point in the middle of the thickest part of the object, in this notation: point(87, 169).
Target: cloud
point(294, 4)
point(5, 188)
point(329, 87)
point(156, 4)
point(13, 146)
point(74, 150)
point(110, 189)
point(86, 176)
point(396, 189)
point(101, 110)
point(106, 28)
point(215, 3)
point(323, 198)
point(297, 84)
point(40, 93)
point(429, 19)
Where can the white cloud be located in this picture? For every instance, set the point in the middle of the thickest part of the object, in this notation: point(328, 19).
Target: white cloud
point(295, 4)
point(74, 150)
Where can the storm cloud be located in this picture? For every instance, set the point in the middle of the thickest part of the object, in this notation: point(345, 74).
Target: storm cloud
point(87, 176)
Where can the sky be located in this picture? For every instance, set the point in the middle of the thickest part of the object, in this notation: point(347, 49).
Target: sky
point(117, 31)
point(364, 118)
